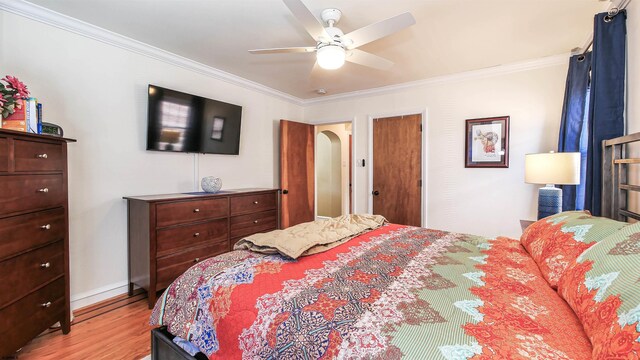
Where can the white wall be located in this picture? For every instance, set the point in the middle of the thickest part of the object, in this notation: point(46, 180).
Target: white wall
point(480, 201)
point(97, 93)
point(340, 130)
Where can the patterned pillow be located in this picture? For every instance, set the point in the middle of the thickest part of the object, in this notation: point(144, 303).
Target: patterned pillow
point(603, 288)
point(556, 241)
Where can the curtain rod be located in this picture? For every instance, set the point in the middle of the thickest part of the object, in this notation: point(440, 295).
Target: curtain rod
point(611, 12)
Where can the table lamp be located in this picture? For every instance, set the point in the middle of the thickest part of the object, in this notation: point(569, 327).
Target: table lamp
point(551, 169)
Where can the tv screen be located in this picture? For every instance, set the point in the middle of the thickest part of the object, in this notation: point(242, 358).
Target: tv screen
point(189, 123)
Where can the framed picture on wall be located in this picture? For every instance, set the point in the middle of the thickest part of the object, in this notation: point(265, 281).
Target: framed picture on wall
point(487, 143)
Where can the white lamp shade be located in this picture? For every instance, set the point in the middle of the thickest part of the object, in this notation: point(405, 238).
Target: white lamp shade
point(552, 168)
point(331, 57)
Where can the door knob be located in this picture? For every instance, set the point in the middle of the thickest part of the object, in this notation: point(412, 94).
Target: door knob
point(376, 193)
point(285, 192)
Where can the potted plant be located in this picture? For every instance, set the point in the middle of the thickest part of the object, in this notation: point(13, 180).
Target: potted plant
point(12, 93)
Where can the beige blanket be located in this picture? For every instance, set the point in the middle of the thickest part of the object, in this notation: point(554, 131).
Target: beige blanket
point(311, 237)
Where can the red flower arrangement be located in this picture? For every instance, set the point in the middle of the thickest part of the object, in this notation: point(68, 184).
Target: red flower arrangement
point(12, 91)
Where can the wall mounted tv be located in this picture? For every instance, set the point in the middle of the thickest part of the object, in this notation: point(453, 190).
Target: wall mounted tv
point(188, 123)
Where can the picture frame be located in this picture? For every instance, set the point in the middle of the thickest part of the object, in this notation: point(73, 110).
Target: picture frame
point(487, 142)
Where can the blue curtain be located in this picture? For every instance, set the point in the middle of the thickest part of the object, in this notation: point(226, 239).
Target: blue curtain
point(574, 125)
point(606, 108)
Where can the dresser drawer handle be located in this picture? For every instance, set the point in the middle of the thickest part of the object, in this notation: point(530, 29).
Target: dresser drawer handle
point(196, 260)
point(255, 221)
point(196, 210)
point(42, 156)
point(45, 227)
point(45, 265)
point(46, 305)
point(196, 234)
point(256, 202)
point(43, 190)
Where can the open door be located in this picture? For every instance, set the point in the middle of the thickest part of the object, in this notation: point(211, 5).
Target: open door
point(296, 173)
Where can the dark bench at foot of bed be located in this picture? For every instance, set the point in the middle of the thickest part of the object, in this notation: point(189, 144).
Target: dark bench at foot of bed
point(163, 348)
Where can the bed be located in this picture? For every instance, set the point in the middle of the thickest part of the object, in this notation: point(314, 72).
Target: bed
point(568, 289)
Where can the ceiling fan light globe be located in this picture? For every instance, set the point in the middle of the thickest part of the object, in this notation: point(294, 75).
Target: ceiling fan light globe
point(331, 57)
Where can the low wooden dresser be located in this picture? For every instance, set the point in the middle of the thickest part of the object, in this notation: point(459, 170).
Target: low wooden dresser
point(170, 233)
point(34, 240)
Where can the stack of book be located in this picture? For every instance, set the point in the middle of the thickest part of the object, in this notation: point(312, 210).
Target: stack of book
point(28, 118)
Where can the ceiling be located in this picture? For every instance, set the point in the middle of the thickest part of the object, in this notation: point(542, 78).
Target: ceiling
point(450, 36)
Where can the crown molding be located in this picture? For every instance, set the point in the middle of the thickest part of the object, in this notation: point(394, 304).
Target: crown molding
point(463, 76)
point(61, 21)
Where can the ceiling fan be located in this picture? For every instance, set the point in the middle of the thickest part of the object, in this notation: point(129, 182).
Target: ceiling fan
point(333, 47)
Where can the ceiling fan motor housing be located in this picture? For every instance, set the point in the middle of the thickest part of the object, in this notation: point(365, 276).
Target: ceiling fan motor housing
point(331, 16)
point(336, 35)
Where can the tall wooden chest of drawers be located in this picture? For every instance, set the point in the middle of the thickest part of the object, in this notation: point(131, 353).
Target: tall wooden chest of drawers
point(34, 241)
point(170, 233)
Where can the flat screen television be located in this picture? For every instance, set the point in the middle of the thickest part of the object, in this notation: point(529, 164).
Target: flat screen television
point(183, 122)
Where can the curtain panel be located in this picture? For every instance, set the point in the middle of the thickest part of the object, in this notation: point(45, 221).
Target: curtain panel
point(606, 105)
point(574, 125)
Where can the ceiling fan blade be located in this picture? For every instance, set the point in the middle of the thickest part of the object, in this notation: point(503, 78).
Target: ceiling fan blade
point(314, 27)
point(380, 29)
point(367, 59)
point(300, 49)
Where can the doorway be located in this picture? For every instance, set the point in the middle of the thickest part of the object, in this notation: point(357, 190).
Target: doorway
point(333, 170)
point(397, 168)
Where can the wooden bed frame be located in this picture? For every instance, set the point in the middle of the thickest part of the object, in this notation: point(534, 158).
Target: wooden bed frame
point(616, 189)
point(615, 193)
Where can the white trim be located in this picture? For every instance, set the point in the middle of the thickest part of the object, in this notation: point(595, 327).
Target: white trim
point(425, 167)
point(353, 162)
point(100, 294)
point(370, 164)
point(354, 165)
point(424, 194)
point(61, 21)
point(463, 76)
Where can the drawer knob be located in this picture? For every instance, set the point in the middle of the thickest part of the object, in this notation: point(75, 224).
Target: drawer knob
point(255, 221)
point(45, 265)
point(43, 190)
point(196, 260)
point(46, 305)
point(45, 227)
point(42, 156)
point(196, 210)
point(196, 234)
point(256, 202)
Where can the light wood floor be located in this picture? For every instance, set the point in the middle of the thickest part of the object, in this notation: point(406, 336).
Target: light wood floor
point(114, 331)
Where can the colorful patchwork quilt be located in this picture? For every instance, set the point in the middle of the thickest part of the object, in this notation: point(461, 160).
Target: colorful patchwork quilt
point(394, 292)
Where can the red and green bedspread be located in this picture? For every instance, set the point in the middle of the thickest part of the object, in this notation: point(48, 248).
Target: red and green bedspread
point(393, 292)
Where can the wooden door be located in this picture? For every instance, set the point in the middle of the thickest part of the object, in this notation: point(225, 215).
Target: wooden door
point(296, 173)
point(397, 168)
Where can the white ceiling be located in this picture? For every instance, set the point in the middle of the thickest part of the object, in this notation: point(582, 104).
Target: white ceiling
point(450, 36)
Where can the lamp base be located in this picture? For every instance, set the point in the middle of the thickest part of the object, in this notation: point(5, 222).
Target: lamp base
point(549, 201)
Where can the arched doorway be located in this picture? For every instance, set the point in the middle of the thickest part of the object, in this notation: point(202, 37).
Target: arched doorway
point(329, 174)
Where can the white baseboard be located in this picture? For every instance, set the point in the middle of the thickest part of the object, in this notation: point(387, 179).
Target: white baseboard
point(100, 294)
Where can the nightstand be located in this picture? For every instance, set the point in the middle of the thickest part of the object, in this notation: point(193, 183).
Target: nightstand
point(524, 224)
